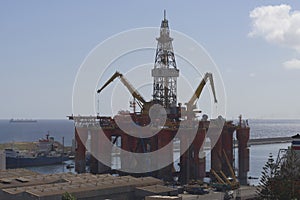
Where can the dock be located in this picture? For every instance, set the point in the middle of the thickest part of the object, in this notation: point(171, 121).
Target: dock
point(262, 141)
point(274, 140)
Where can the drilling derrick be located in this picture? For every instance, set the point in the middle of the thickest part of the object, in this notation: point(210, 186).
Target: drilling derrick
point(190, 144)
point(165, 71)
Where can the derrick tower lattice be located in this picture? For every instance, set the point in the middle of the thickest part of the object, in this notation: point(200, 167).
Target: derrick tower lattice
point(165, 71)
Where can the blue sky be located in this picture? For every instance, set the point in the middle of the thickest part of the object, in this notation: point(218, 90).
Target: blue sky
point(255, 44)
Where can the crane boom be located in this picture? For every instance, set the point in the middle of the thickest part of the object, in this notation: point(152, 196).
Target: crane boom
point(229, 166)
point(200, 87)
point(132, 90)
point(220, 180)
point(126, 83)
point(117, 74)
point(225, 178)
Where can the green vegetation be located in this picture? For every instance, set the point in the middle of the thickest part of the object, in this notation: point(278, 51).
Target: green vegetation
point(280, 181)
point(68, 196)
point(264, 189)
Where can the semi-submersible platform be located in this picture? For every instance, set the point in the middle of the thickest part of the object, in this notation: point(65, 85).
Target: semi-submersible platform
point(178, 116)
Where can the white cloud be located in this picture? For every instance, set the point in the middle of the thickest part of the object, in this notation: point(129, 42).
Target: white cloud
point(292, 64)
point(277, 24)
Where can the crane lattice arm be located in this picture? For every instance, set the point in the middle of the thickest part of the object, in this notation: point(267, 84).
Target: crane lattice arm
point(220, 180)
point(117, 74)
point(225, 178)
point(199, 89)
point(230, 167)
point(132, 90)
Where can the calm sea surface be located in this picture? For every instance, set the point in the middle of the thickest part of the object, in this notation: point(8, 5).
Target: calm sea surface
point(27, 131)
point(273, 128)
point(13, 132)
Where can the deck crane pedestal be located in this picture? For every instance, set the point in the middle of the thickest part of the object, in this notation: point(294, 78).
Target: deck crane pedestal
point(191, 104)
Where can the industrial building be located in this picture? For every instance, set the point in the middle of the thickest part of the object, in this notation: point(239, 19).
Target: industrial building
point(21, 184)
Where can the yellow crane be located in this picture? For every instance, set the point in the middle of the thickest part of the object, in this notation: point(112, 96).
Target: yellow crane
point(225, 178)
point(230, 168)
point(224, 183)
point(191, 104)
point(143, 104)
point(219, 179)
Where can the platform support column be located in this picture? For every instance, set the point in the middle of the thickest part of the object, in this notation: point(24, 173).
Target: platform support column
point(165, 138)
point(227, 143)
point(198, 161)
point(80, 150)
point(242, 134)
point(216, 155)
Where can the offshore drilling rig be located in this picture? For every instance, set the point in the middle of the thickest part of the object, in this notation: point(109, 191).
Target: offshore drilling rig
point(192, 166)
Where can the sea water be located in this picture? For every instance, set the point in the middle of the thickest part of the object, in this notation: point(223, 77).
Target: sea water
point(33, 131)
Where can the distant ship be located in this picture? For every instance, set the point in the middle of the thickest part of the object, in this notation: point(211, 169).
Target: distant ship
point(22, 120)
point(47, 153)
